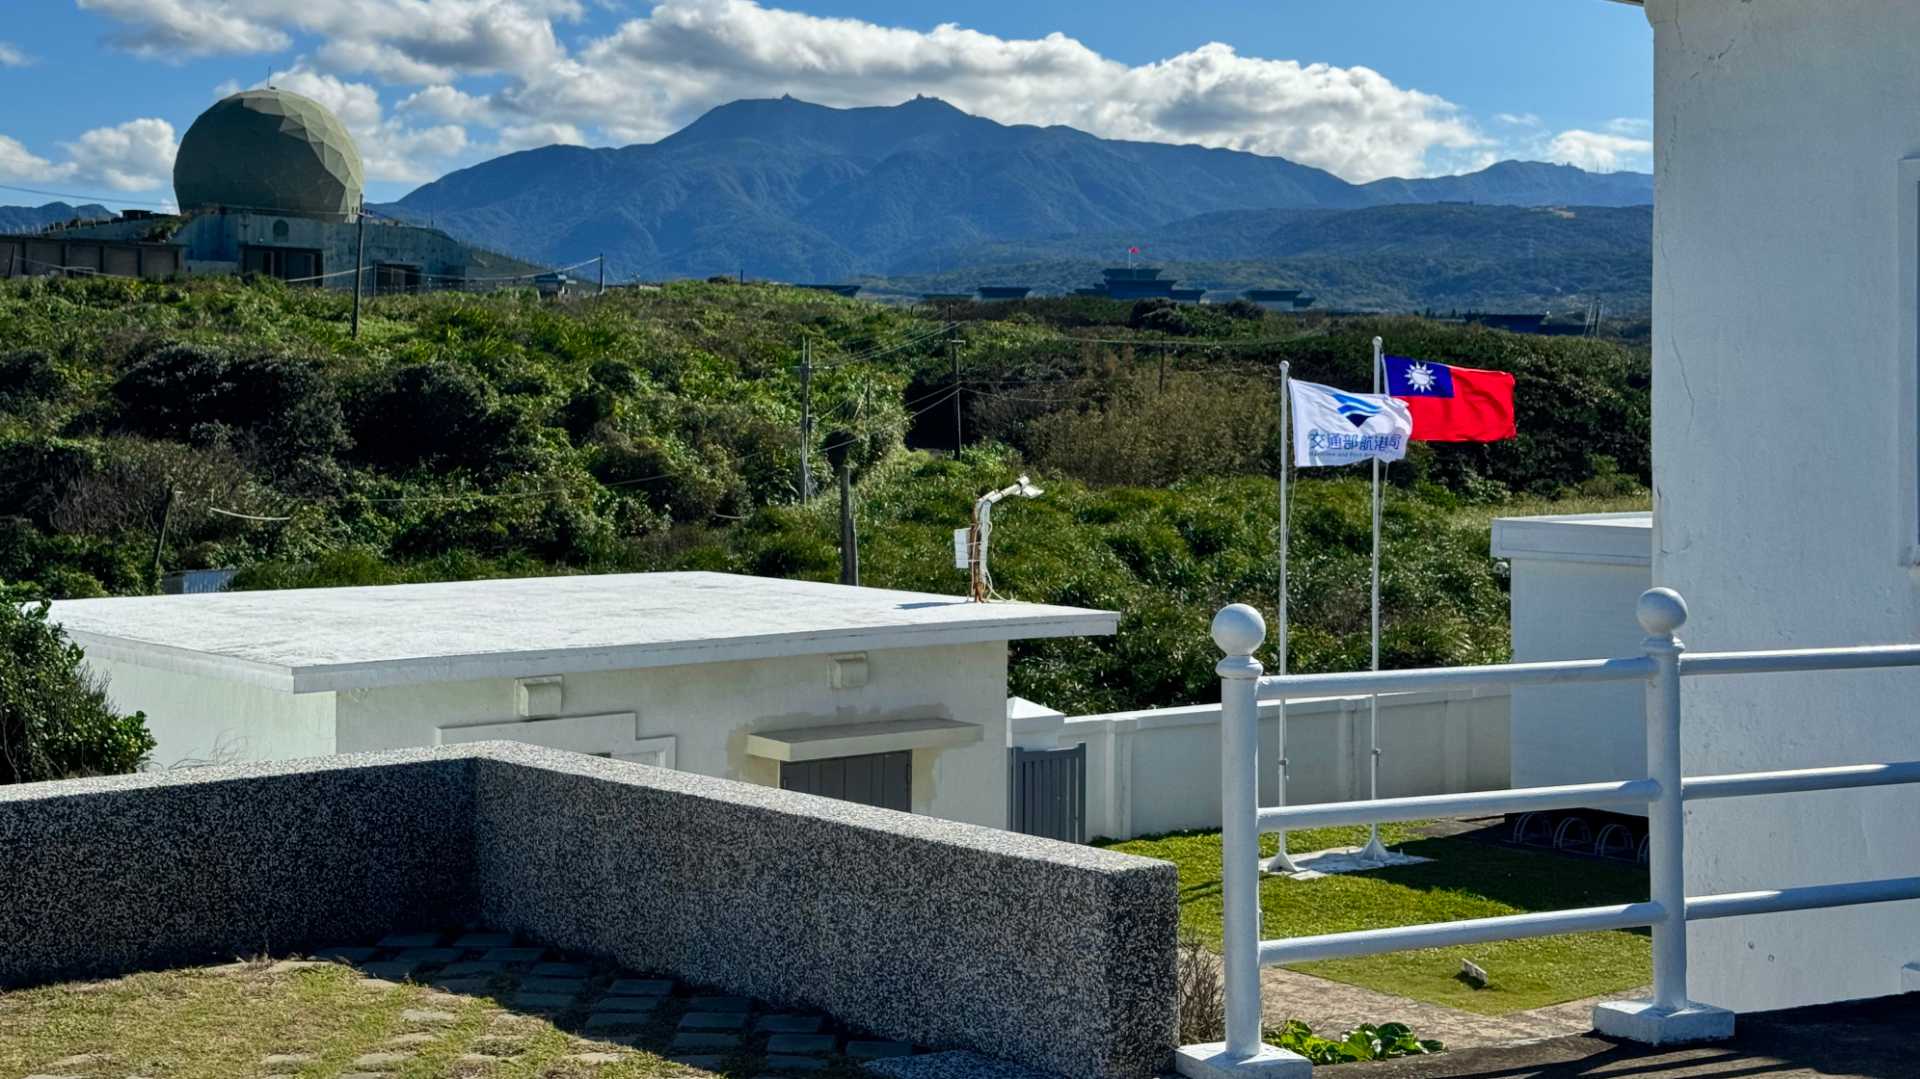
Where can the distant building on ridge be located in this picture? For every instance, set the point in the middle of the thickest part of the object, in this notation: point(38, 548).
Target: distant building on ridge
point(1139, 283)
point(268, 182)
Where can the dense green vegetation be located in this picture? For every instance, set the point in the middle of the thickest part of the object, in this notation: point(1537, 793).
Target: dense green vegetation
point(465, 436)
point(55, 719)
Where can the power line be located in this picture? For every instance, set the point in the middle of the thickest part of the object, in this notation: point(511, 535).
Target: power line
point(86, 198)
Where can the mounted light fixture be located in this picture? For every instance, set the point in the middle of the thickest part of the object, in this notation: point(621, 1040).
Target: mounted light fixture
point(970, 544)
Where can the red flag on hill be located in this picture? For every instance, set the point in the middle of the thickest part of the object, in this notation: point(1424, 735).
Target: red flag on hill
point(1452, 404)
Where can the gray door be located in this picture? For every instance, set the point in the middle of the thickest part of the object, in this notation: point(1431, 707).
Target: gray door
point(877, 779)
point(1049, 793)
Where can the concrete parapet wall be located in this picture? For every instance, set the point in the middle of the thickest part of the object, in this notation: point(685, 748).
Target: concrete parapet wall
point(1055, 956)
point(103, 876)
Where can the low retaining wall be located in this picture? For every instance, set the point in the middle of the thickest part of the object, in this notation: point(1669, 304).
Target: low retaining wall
point(102, 876)
point(1052, 955)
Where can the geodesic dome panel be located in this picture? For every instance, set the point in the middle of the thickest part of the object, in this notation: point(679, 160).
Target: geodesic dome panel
point(269, 150)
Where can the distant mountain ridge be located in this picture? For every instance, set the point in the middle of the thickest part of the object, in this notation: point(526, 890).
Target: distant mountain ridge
point(35, 218)
point(789, 190)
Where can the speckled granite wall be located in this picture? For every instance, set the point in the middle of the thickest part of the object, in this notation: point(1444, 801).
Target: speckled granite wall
point(1055, 956)
point(102, 876)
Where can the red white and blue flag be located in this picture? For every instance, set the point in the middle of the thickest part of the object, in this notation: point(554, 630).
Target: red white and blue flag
point(1452, 404)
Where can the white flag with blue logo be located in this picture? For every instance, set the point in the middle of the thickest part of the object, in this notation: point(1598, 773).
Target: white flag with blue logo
point(1334, 427)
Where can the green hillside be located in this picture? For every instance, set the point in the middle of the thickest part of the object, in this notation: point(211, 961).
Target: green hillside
point(1451, 256)
point(466, 436)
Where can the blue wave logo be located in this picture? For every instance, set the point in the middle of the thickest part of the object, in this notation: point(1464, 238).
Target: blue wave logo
point(1357, 410)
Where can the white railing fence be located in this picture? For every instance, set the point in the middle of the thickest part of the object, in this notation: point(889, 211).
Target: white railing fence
point(1670, 1016)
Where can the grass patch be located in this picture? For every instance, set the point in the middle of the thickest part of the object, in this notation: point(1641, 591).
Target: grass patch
point(1465, 879)
point(219, 1022)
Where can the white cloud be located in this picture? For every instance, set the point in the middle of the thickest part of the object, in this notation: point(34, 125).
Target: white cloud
point(656, 72)
point(19, 163)
point(529, 136)
point(1517, 119)
point(166, 29)
point(402, 41)
point(1600, 152)
point(12, 56)
point(134, 156)
point(390, 149)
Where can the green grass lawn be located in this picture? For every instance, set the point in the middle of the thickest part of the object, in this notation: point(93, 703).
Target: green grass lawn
point(1465, 879)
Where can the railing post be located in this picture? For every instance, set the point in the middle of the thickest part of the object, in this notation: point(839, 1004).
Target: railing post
point(1239, 631)
point(1670, 1016)
point(1661, 612)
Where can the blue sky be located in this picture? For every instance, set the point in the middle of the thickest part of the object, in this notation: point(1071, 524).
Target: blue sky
point(98, 92)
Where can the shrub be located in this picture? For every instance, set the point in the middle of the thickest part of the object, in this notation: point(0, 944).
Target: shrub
point(1201, 1002)
point(282, 405)
point(55, 719)
point(28, 378)
point(436, 415)
point(1199, 425)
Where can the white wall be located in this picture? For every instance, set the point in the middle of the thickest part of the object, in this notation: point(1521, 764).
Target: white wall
point(1574, 584)
point(1783, 407)
point(196, 719)
point(710, 708)
point(1159, 770)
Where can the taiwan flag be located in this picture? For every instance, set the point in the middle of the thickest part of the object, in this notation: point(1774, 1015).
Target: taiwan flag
point(1452, 404)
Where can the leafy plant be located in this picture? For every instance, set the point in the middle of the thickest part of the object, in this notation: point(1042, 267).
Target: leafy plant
point(1362, 1043)
point(55, 719)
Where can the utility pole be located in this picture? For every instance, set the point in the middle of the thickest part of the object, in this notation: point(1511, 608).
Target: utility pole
point(160, 541)
point(953, 354)
point(840, 455)
point(1163, 369)
point(359, 272)
point(806, 419)
point(603, 274)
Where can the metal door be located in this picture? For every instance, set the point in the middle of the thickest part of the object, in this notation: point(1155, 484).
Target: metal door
point(876, 779)
point(1049, 793)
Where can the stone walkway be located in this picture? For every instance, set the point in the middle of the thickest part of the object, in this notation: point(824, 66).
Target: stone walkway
point(613, 1014)
point(1334, 1006)
point(617, 1010)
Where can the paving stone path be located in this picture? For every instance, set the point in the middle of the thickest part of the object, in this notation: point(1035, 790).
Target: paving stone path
point(612, 1012)
point(1335, 1006)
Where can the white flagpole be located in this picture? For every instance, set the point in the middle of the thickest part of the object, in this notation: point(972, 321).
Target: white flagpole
point(1281, 862)
point(1374, 849)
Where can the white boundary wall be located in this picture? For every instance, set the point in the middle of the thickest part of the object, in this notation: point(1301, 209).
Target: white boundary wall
point(1158, 770)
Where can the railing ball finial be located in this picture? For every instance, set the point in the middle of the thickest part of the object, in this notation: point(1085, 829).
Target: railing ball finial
point(1239, 630)
point(1661, 612)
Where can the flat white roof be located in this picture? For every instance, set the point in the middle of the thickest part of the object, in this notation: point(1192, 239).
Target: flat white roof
point(1614, 539)
point(316, 639)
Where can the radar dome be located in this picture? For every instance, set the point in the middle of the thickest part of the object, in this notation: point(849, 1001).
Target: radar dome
point(269, 150)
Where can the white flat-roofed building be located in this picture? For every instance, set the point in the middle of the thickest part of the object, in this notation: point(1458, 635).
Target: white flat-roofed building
point(1574, 581)
point(891, 698)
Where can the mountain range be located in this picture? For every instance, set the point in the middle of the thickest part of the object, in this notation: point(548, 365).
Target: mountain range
point(35, 218)
point(787, 190)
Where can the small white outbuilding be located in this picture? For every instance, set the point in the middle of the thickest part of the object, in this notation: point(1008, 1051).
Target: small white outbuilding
point(1575, 579)
point(890, 698)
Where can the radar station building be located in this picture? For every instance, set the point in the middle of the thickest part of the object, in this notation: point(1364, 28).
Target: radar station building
point(268, 182)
